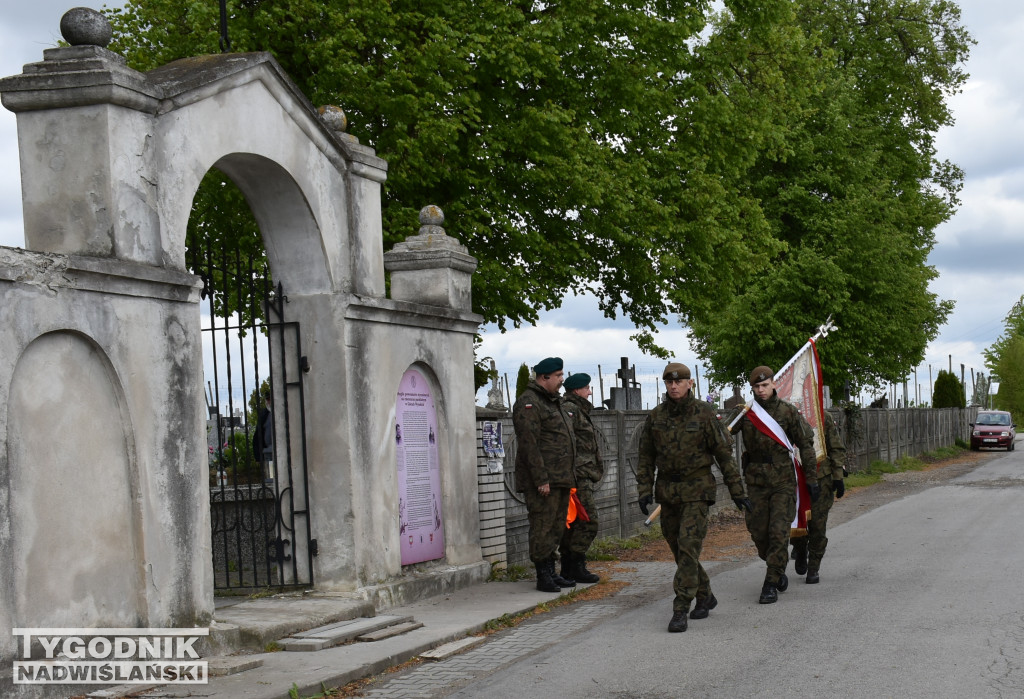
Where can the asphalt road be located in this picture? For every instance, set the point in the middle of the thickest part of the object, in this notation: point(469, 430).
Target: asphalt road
point(922, 596)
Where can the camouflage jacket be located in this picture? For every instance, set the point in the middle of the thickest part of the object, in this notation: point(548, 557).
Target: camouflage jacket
point(832, 467)
point(589, 464)
point(765, 460)
point(681, 440)
point(546, 450)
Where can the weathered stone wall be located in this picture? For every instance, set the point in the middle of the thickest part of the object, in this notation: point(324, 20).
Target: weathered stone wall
point(103, 499)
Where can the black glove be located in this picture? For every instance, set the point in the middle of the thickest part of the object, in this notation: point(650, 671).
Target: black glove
point(744, 504)
point(645, 502)
point(839, 487)
point(815, 490)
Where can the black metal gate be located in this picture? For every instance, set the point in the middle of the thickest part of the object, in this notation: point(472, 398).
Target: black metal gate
point(254, 368)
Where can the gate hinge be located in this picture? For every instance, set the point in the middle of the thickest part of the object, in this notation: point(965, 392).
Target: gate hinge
point(314, 548)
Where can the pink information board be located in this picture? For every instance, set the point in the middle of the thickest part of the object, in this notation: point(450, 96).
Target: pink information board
point(420, 528)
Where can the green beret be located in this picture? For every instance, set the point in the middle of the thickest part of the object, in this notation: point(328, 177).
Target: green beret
point(675, 370)
point(548, 366)
point(761, 373)
point(576, 381)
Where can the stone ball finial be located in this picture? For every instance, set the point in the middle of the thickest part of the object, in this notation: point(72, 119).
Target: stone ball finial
point(83, 26)
point(333, 117)
point(431, 215)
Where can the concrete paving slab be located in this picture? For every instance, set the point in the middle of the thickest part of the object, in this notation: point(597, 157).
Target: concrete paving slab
point(389, 632)
point(452, 648)
point(223, 666)
point(353, 627)
point(336, 634)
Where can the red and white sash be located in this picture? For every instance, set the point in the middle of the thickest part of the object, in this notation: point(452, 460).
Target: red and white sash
point(770, 427)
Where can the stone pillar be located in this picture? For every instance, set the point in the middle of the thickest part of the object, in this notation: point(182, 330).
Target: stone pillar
point(366, 173)
point(431, 267)
point(84, 121)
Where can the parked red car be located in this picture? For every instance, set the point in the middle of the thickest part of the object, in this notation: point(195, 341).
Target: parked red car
point(993, 429)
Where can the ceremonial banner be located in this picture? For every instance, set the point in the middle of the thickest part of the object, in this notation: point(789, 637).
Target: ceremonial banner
point(799, 382)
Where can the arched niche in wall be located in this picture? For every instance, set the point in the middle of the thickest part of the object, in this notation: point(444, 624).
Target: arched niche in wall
point(75, 522)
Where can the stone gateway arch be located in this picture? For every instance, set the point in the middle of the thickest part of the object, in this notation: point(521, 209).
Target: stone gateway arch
point(104, 494)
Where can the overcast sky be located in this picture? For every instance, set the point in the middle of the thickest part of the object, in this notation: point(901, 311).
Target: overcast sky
point(979, 253)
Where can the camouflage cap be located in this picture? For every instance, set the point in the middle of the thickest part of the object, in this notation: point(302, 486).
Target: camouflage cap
point(675, 370)
point(548, 366)
point(576, 381)
point(761, 373)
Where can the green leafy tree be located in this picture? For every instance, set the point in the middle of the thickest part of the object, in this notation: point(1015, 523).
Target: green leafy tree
point(574, 146)
point(482, 372)
point(752, 175)
point(522, 379)
point(948, 391)
point(1013, 329)
point(853, 198)
point(1011, 379)
point(223, 246)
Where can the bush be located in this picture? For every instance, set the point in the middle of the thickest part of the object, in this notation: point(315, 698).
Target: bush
point(237, 455)
point(949, 392)
point(522, 379)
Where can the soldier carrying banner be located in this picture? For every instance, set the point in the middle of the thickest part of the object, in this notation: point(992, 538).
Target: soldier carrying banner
point(783, 443)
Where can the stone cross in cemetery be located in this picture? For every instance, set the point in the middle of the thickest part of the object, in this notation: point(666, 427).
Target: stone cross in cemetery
point(628, 396)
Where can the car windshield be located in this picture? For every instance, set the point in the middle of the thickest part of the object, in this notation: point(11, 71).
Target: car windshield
point(993, 419)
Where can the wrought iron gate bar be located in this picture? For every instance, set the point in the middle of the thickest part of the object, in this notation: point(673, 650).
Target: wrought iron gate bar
point(253, 516)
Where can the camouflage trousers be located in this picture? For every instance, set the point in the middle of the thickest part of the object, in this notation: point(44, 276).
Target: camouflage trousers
point(546, 514)
point(816, 541)
point(580, 535)
point(684, 527)
point(769, 523)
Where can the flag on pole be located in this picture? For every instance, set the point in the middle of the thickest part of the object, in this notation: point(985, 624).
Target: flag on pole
point(799, 382)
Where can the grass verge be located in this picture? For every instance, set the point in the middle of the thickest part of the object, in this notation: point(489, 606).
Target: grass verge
point(877, 470)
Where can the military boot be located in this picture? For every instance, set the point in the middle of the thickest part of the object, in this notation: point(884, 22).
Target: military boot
point(800, 558)
point(812, 577)
point(544, 581)
point(568, 567)
point(769, 594)
point(702, 606)
point(678, 622)
point(783, 584)
point(579, 569)
point(558, 579)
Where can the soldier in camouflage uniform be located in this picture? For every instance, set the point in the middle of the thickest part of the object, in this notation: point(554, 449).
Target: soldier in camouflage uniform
point(589, 469)
point(681, 439)
point(544, 466)
point(830, 479)
point(771, 479)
